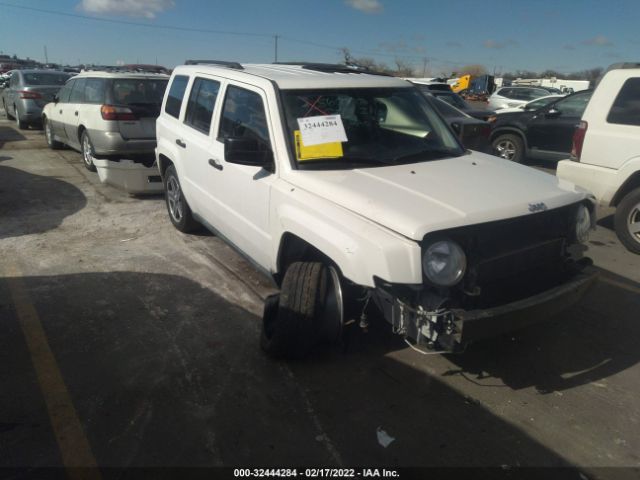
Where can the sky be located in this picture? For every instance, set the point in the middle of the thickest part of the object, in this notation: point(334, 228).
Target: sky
point(439, 37)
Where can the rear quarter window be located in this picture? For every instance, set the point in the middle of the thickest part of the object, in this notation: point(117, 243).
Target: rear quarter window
point(626, 107)
point(94, 90)
point(176, 94)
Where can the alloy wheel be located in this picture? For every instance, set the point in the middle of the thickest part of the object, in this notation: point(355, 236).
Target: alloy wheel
point(506, 149)
point(174, 198)
point(87, 151)
point(633, 223)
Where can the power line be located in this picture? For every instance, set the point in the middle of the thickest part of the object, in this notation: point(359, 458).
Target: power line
point(227, 32)
point(137, 24)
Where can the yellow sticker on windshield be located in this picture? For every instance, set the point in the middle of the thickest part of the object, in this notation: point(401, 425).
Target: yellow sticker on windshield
point(314, 152)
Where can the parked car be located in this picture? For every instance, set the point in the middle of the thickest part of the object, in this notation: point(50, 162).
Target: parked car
point(544, 134)
point(605, 158)
point(351, 192)
point(533, 105)
point(472, 132)
point(28, 92)
point(456, 101)
point(506, 97)
point(110, 117)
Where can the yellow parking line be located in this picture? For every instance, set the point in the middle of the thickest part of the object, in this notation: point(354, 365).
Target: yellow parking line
point(623, 285)
point(72, 442)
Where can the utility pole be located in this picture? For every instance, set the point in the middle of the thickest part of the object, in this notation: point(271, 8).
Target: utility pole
point(424, 66)
point(276, 45)
point(46, 57)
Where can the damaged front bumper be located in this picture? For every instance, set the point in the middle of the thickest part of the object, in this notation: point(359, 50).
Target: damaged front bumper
point(450, 329)
point(130, 176)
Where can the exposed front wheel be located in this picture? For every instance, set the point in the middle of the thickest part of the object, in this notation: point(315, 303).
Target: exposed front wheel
point(52, 143)
point(627, 221)
point(177, 206)
point(87, 151)
point(509, 147)
point(309, 310)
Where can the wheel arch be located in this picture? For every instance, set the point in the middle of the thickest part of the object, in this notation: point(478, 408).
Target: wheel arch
point(163, 163)
point(293, 248)
point(629, 185)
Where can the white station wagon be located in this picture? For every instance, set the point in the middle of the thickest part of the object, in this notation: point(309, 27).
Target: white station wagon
point(110, 117)
point(352, 193)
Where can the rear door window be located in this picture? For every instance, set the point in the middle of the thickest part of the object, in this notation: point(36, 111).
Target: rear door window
point(176, 94)
point(77, 94)
point(626, 107)
point(65, 92)
point(202, 100)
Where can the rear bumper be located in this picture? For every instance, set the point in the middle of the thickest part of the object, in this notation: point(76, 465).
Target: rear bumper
point(111, 144)
point(129, 176)
point(601, 182)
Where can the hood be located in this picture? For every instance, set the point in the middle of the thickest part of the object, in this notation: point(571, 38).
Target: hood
point(420, 198)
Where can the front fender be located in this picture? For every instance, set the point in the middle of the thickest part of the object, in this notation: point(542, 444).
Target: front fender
point(360, 248)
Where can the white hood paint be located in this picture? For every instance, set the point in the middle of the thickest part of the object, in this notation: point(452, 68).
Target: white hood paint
point(419, 198)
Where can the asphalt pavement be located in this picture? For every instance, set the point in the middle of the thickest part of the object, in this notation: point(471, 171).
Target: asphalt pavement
point(125, 343)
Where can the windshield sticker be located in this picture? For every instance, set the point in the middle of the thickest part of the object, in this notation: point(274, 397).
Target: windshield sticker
point(314, 152)
point(322, 129)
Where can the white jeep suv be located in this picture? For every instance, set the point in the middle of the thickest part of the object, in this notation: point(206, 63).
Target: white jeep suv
point(351, 192)
point(606, 150)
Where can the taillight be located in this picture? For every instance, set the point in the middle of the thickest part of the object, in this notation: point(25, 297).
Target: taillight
point(29, 95)
point(578, 140)
point(111, 112)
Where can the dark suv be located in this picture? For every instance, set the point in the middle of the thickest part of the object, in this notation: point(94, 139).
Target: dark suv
point(545, 134)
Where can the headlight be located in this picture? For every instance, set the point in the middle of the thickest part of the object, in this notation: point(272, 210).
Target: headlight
point(444, 263)
point(583, 224)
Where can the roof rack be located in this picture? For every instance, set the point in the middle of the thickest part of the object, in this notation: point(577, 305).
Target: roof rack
point(622, 65)
point(334, 68)
point(221, 63)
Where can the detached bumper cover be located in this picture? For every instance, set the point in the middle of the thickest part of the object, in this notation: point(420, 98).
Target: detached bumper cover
point(479, 324)
point(129, 176)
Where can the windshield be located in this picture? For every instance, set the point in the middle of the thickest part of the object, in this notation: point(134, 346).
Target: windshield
point(351, 128)
point(45, 78)
point(136, 91)
point(452, 99)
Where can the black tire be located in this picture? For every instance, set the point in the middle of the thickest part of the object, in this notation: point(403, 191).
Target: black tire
point(86, 148)
point(298, 321)
point(48, 135)
point(19, 123)
point(627, 221)
point(177, 206)
point(509, 146)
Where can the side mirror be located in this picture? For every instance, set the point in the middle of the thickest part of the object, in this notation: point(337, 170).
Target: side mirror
point(553, 113)
point(56, 99)
point(248, 151)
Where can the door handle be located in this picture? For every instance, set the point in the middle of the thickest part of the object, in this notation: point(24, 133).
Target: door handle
point(76, 114)
point(60, 111)
point(215, 164)
point(180, 143)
